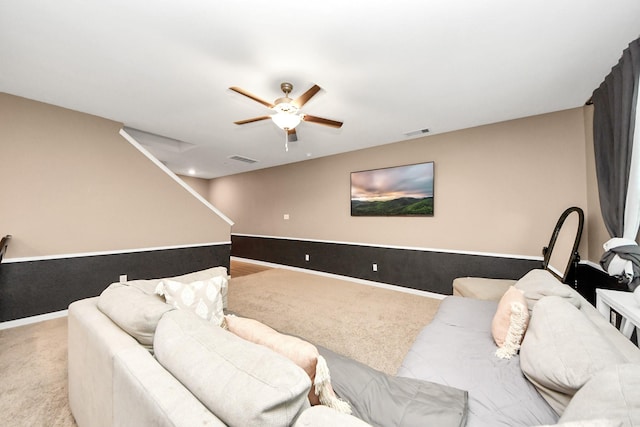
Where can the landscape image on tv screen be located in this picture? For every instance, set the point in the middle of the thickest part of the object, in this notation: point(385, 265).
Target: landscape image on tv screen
point(395, 191)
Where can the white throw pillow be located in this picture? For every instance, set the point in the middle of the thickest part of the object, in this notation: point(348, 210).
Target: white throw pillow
point(202, 297)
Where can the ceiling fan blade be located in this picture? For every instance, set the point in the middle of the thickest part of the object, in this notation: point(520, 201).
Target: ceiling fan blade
point(255, 119)
point(291, 135)
point(302, 99)
point(252, 96)
point(321, 121)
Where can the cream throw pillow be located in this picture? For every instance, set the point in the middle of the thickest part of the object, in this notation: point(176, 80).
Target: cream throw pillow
point(202, 297)
point(510, 322)
point(300, 352)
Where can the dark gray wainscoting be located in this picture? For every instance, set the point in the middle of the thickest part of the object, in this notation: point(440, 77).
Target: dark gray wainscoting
point(30, 288)
point(417, 269)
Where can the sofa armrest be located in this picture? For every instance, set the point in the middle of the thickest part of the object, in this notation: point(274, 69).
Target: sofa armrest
point(481, 288)
point(145, 394)
point(93, 341)
point(320, 416)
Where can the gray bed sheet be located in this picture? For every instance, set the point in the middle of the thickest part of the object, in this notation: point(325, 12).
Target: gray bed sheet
point(457, 349)
point(386, 401)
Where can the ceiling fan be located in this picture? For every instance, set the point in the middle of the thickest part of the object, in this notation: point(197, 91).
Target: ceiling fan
point(287, 114)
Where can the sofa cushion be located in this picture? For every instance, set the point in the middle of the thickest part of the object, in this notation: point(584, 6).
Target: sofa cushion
point(510, 322)
point(539, 283)
point(299, 351)
point(133, 310)
point(243, 383)
point(481, 288)
point(149, 285)
point(203, 297)
point(598, 422)
point(613, 394)
point(562, 350)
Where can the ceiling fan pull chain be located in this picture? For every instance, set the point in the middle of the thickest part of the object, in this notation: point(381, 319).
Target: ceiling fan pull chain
point(286, 142)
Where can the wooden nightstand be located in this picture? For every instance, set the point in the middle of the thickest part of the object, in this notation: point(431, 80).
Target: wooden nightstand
point(625, 304)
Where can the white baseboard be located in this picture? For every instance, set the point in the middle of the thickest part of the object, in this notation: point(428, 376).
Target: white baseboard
point(33, 319)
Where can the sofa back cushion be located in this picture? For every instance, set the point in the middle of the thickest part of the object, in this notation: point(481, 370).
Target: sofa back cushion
point(614, 394)
point(539, 283)
point(133, 310)
point(241, 382)
point(562, 350)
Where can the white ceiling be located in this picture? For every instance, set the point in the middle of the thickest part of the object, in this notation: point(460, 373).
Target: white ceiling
point(386, 68)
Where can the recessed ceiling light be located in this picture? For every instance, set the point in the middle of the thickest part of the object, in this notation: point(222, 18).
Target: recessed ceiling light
point(192, 171)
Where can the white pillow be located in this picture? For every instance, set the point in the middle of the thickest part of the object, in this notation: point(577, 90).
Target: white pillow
point(202, 297)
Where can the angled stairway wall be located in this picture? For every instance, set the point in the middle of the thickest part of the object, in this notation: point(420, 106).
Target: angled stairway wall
point(85, 206)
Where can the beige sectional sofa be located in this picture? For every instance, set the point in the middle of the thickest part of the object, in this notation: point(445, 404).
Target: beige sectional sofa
point(573, 367)
point(136, 361)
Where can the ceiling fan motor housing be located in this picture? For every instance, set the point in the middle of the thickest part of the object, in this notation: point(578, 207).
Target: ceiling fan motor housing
point(286, 88)
point(285, 105)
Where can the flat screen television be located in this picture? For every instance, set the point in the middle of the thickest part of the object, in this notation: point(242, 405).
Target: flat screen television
point(393, 191)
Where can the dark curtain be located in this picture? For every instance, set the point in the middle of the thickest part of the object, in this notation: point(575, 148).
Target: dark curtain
point(615, 104)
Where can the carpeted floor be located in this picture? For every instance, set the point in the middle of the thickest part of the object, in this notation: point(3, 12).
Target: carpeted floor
point(33, 368)
point(373, 325)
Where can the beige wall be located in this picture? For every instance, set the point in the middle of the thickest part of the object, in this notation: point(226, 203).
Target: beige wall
point(199, 185)
point(71, 184)
point(498, 189)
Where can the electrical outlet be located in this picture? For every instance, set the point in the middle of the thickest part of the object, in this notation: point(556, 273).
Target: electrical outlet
point(375, 267)
point(123, 278)
point(306, 257)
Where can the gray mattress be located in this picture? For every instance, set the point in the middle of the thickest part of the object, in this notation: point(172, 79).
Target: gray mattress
point(457, 349)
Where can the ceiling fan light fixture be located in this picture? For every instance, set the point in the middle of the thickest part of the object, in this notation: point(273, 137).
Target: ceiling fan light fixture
point(286, 120)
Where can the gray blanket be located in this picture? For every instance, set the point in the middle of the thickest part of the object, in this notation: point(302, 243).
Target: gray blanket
point(385, 401)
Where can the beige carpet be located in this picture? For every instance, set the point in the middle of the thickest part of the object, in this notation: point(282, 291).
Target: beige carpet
point(33, 372)
point(373, 325)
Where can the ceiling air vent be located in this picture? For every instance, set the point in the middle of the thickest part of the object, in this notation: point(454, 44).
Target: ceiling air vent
point(242, 159)
point(417, 132)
